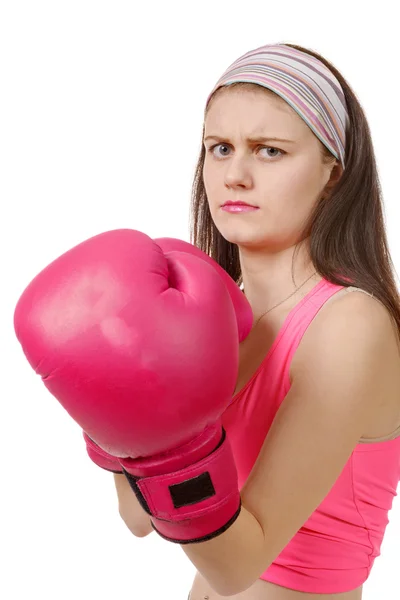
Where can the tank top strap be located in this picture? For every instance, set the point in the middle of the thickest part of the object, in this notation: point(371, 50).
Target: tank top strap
point(304, 312)
point(312, 303)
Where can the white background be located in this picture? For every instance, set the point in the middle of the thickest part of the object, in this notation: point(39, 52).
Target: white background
point(101, 110)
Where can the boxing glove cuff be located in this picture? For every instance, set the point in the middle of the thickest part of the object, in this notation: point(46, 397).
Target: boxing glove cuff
point(195, 503)
point(100, 457)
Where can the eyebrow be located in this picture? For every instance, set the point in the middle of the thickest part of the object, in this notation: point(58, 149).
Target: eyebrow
point(252, 139)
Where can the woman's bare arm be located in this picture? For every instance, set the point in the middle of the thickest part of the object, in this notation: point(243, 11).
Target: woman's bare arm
point(133, 515)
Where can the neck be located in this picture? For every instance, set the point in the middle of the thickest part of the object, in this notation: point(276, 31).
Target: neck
point(268, 278)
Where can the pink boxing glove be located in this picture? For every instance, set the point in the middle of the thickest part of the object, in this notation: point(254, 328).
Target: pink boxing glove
point(244, 322)
point(141, 349)
point(101, 458)
point(242, 308)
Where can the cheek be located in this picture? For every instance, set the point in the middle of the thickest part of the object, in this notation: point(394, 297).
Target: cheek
point(212, 187)
point(296, 194)
point(207, 177)
point(303, 180)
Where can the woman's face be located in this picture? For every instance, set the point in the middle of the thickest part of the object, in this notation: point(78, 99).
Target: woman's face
point(283, 179)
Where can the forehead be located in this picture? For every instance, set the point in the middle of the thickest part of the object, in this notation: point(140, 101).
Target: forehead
point(253, 110)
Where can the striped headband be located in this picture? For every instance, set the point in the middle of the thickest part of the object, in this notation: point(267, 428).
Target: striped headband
point(302, 81)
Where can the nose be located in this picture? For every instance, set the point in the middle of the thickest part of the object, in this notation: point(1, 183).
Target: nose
point(237, 174)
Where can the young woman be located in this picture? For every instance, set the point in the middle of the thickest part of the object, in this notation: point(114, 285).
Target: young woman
point(287, 200)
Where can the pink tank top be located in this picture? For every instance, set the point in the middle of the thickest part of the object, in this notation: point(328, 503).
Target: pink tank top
point(335, 549)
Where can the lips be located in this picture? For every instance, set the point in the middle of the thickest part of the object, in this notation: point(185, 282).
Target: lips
point(238, 203)
point(238, 207)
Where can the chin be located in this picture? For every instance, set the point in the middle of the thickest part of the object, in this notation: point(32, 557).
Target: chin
point(242, 238)
point(242, 234)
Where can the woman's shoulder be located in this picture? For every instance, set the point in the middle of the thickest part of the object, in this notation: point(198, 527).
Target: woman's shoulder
point(351, 350)
point(349, 321)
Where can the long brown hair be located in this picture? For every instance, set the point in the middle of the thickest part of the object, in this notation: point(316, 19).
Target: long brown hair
point(348, 242)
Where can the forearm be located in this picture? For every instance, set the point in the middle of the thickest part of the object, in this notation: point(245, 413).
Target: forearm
point(231, 562)
point(133, 515)
point(194, 504)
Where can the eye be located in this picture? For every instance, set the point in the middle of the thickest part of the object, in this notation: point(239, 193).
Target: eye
point(225, 147)
point(212, 148)
point(272, 148)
